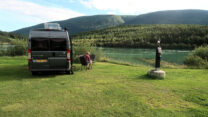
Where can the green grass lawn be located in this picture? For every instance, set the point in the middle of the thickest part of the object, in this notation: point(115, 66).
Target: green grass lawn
point(107, 90)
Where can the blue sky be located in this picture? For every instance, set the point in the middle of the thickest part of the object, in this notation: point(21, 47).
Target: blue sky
point(16, 14)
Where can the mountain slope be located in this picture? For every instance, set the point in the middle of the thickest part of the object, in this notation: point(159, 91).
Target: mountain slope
point(82, 24)
point(172, 17)
point(89, 23)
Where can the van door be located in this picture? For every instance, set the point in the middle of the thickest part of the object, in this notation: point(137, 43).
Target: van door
point(58, 60)
point(40, 53)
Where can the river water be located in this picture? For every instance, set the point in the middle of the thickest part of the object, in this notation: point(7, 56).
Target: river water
point(135, 56)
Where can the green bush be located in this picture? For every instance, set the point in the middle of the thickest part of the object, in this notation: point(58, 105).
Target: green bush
point(194, 61)
point(82, 47)
point(202, 52)
point(198, 58)
point(16, 50)
point(10, 51)
point(19, 50)
point(1, 53)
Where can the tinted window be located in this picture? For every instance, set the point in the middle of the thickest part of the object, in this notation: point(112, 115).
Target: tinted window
point(58, 44)
point(39, 44)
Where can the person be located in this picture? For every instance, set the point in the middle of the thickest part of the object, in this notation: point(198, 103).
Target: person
point(88, 60)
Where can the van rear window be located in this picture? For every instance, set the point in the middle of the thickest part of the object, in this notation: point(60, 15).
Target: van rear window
point(57, 44)
point(40, 44)
point(44, 44)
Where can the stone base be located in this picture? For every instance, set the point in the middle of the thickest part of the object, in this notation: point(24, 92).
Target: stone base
point(156, 73)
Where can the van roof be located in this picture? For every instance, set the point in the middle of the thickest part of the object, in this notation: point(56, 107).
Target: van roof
point(48, 33)
point(43, 29)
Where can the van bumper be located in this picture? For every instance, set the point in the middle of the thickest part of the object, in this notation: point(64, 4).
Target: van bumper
point(39, 70)
point(68, 68)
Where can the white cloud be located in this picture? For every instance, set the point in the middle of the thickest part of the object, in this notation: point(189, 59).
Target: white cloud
point(144, 6)
point(111, 13)
point(36, 11)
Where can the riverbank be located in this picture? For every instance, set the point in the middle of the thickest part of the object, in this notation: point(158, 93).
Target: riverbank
point(106, 90)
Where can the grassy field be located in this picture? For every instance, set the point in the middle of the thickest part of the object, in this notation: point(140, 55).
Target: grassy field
point(107, 90)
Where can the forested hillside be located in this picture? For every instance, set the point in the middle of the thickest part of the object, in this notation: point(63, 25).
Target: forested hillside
point(146, 36)
point(5, 37)
point(90, 23)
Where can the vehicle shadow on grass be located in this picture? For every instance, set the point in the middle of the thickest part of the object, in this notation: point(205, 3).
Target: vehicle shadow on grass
point(20, 72)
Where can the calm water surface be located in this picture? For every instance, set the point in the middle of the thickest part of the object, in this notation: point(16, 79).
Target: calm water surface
point(134, 56)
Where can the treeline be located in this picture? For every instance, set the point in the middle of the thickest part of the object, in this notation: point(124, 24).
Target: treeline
point(146, 36)
point(6, 37)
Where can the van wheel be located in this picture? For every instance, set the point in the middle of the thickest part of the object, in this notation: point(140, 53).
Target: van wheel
point(34, 73)
point(72, 72)
point(68, 72)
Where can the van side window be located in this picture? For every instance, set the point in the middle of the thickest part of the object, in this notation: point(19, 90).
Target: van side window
point(38, 44)
point(58, 44)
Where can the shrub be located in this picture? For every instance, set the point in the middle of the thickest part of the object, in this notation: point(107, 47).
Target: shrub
point(17, 48)
point(81, 47)
point(202, 52)
point(194, 61)
point(198, 58)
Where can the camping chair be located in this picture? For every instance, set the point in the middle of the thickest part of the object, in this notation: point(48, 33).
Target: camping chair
point(92, 57)
point(83, 62)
